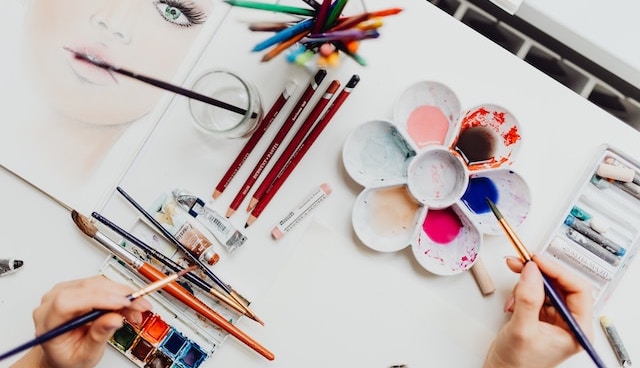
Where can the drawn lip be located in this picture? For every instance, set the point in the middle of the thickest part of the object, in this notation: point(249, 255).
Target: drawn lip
point(87, 71)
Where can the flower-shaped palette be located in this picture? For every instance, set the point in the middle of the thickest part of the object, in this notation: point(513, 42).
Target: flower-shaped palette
point(427, 174)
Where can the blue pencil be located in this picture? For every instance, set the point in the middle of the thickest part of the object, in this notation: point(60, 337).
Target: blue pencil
point(285, 34)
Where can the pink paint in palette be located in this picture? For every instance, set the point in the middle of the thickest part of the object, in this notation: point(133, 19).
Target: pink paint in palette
point(424, 171)
point(442, 226)
point(427, 125)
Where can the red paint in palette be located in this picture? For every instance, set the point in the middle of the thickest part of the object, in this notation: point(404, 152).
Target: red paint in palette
point(427, 125)
point(155, 329)
point(442, 226)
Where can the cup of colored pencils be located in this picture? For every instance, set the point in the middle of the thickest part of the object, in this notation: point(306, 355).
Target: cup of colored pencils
point(319, 32)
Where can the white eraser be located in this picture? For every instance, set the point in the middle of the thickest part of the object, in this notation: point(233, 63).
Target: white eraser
point(619, 173)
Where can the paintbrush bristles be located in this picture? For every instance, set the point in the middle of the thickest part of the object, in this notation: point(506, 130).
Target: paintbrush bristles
point(84, 224)
point(525, 255)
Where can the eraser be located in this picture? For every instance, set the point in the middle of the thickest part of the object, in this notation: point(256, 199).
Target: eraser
point(614, 172)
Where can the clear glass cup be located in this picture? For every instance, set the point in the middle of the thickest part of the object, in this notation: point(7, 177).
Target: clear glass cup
point(229, 88)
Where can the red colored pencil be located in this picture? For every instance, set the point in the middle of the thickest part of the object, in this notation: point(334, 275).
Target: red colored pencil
point(277, 140)
point(302, 149)
point(255, 137)
point(294, 143)
point(323, 12)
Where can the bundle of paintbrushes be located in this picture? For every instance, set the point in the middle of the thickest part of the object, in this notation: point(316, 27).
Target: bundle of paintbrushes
point(320, 31)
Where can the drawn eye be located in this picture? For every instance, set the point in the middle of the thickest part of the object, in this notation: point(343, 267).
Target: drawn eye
point(179, 13)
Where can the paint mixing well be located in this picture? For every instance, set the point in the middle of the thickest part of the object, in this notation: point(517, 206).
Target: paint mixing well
point(426, 175)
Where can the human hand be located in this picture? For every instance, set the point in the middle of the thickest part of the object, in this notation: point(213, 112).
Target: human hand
point(84, 346)
point(536, 335)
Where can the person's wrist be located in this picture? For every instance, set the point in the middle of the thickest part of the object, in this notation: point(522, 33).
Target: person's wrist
point(34, 358)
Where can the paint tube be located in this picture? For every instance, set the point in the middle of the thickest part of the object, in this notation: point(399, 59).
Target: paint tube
point(9, 265)
point(219, 226)
point(167, 213)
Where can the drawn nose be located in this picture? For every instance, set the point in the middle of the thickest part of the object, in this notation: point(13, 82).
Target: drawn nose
point(115, 21)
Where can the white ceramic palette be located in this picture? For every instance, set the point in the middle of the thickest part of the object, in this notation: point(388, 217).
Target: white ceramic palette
point(427, 174)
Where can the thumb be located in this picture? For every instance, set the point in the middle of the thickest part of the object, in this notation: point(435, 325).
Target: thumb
point(104, 327)
point(529, 295)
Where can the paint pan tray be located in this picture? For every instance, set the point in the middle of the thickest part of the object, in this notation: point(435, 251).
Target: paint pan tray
point(426, 175)
point(598, 233)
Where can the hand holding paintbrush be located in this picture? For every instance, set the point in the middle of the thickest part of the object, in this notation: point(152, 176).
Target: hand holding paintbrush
point(547, 275)
point(87, 317)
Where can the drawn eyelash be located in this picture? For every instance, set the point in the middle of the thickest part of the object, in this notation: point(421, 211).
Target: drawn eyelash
point(188, 9)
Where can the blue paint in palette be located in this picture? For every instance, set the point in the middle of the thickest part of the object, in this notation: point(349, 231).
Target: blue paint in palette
point(192, 356)
point(478, 190)
point(173, 343)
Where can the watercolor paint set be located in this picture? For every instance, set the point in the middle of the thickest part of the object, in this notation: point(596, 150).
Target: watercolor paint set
point(426, 175)
point(173, 335)
point(168, 336)
point(598, 233)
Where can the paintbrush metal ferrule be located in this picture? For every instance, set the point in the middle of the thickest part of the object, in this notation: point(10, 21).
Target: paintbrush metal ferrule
point(92, 231)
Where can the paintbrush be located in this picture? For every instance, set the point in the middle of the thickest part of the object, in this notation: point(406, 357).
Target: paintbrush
point(232, 293)
point(174, 289)
point(158, 83)
point(202, 284)
point(550, 291)
point(93, 315)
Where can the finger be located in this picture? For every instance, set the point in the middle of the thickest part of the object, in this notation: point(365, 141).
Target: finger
point(69, 299)
point(104, 327)
point(514, 263)
point(529, 296)
point(578, 292)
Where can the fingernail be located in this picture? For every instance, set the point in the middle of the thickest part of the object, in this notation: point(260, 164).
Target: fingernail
point(508, 304)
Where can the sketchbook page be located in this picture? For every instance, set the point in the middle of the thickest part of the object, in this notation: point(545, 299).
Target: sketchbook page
point(72, 128)
point(331, 307)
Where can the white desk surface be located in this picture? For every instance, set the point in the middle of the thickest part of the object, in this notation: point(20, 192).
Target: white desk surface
point(604, 31)
point(327, 300)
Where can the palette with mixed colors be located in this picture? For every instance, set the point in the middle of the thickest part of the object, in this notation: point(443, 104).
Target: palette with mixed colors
point(598, 232)
point(427, 174)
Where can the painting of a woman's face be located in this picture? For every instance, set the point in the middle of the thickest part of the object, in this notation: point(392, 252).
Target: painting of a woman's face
point(150, 37)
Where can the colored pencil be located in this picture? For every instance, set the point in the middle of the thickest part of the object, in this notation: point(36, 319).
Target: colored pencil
point(168, 262)
point(550, 290)
point(321, 17)
point(226, 288)
point(264, 124)
point(174, 289)
point(277, 140)
point(160, 84)
point(312, 3)
point(302, 26)
point(345, 35)
point(295, 142)
point(303, 148)
point(334, 14)
point(272, 7)
point(90, 316)
point(283, 46)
